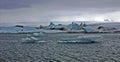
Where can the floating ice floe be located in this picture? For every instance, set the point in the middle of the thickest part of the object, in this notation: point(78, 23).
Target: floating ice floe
point(83, 39)
point(91, 37)
point(38, 34)
point(31, 39)
point(51, 31)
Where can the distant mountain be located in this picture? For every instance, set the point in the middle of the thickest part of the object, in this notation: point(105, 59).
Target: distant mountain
point(107, 24)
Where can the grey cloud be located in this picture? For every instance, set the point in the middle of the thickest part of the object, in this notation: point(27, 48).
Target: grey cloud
point(60, 4)
point(84, 4)
point(35, 12)
point(15, 4)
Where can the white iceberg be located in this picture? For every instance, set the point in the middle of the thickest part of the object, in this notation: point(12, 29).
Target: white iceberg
point(39, 34)
point(31, 39)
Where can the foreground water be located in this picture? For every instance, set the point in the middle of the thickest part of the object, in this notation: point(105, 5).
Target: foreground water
point(106, 49)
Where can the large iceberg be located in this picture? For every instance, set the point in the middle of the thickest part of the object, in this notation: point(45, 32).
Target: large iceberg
point(81, 39)
point(13, 29)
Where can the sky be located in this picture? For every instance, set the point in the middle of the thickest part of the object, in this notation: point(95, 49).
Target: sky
point(42, 12)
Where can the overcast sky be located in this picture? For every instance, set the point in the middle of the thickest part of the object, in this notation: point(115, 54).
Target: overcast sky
point(37, 12)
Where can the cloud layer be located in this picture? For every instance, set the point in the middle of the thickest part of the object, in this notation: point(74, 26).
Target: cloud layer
point(36, 12)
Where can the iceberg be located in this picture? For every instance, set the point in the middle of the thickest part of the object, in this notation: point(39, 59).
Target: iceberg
point(52, 31)
point(81, 39)
point(31, 39)
point(39, 34)
point(11, 29)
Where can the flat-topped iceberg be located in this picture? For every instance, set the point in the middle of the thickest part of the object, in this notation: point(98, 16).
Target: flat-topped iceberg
point(81, 39)
point(13, 29)
point(52, 31)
